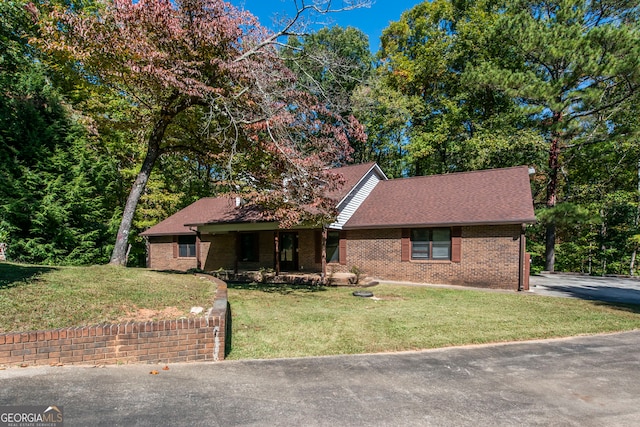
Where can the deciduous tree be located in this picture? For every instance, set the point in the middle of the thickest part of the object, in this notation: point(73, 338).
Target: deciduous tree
point(454, 125)
point(194, 62)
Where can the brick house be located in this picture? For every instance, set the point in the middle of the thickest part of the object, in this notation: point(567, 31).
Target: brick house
point(460, 228)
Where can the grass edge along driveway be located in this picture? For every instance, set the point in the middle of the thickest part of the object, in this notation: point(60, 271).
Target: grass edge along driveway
point(271, 321)
point(296, 321)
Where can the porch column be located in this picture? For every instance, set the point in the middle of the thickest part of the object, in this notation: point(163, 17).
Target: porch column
point(146, 244)
point(198, 251)
point(237, 254)
point(323, 253)
point(276, 243)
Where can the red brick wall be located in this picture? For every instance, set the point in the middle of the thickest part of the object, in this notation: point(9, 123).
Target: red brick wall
point(307, 251)
point(221, 252)
point(170, 341)
point(161, 255)
point(489, 258)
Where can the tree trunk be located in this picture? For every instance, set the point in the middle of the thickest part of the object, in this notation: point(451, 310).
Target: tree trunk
point(175, 104)
point(550, 241)
point(552, 195)
point(119, 254)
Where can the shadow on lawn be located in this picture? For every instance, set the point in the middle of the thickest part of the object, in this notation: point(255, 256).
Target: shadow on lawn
point(277, 288)
point(14, 274)
point(618, 297)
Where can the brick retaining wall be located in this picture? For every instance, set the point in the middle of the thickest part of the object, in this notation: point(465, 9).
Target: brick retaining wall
point(169, 341)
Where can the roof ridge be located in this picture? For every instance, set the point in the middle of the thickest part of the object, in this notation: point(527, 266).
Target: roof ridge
point(353, 165)
point(441, 175)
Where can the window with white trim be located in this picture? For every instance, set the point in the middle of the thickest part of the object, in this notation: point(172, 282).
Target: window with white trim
point(187, 246)
point(431, 243)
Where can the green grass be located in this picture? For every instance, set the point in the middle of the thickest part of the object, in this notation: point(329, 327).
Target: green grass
point(37, 297)
point(271, 321)
point(292, 321)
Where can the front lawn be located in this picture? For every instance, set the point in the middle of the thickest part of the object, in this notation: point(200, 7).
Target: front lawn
point(271, 321)
point(40, 297)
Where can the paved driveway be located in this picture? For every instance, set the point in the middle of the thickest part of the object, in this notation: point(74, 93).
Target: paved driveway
point(611, 289)
point(585, 381)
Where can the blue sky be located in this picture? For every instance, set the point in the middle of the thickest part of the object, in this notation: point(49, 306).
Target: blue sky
point(371, 20)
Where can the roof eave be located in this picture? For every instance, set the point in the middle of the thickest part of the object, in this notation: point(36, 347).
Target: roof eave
point(168, 233)
point(203, 224)
point(439, 224)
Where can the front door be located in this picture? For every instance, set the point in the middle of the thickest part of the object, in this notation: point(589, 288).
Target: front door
point(288, 251)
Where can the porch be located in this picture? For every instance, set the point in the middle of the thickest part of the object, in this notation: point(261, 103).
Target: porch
point(261, 252)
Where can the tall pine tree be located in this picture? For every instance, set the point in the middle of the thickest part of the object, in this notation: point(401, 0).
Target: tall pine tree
point(570, 65)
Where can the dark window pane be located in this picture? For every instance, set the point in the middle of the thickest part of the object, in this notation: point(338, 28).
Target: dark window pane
point(441, 245)
point(441, 234)
point(249, 247)
point(333, 246)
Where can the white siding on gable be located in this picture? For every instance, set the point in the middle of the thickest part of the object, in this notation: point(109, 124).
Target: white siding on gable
point(358, 194)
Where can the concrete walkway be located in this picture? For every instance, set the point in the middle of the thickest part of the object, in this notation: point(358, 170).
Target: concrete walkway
point(585, 381)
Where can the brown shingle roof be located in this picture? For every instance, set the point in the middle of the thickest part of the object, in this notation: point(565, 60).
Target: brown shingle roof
point(223, 210)
point(480, 197)
point(210, 209)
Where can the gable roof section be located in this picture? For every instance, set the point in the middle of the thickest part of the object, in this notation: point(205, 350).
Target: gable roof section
point(352, 175)
point(495, 196)
point(358, 192)
point(210, 209)
point(223, 210)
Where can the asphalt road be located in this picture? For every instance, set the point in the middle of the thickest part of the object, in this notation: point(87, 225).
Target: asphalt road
point(584, 381)
point(610, 289)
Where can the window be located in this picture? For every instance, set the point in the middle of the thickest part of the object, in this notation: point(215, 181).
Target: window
point(333, 246)
point(431, 243)
point(187, 246)
point(248, 247)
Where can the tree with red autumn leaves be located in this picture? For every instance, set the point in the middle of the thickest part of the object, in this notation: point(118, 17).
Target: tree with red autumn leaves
point(205, 63)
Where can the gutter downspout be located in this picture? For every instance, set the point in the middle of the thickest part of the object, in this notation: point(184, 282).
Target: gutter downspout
point(521, 261)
